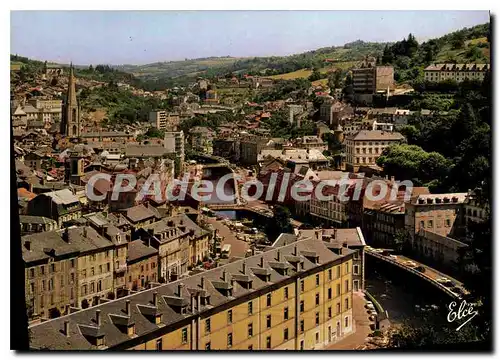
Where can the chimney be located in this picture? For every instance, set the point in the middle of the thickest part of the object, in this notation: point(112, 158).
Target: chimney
point(98, 317)
point(27, 245)
point(278, 256)
point(66, 328)
point(295, 250)
point(262, 261)
point(203, 282)
point(65, 235)
point(334, 234)
point(127, 307)
point(155, 298)
point(253, 251)
point(224, 276)
point(244, 268)
point(179, 289)
point(84, 231)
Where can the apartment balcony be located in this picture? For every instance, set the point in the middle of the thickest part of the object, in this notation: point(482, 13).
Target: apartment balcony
point(120, 269)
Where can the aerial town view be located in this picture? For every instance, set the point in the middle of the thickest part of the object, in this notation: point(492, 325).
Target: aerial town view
point(273, 180)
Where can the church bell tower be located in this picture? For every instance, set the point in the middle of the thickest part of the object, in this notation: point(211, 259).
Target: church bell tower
point(70, 124)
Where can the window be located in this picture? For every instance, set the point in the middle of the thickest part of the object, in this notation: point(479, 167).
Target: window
point(92, 287)
point(268, 342)
point(99, 286)
point(158, 344)
point(100, 269)
point(329, 293)
point(250, 347)
point(72, 277)
point(317, 318)
point(62, 281)
point(285, 334)
point(347, 268)
point(317, 299)
point(142, 268)
point(207, 325)
point(250, 308)
point(268, 321)
point(285, 290)
point(329, 274)
point(207, 346)
point(301, 325)
point(84, 273)
point(285, 313)
point(301, 306)
point(346, 321)
point(356, 269)
point(41, 301)
point(184, 335)
point(229, 316)
point(52, 268)
point(301, 344)
point(72, 262)
point(268, 300)
point(42, 270)
point(72, 294)
point(337, 270)
point(356, 255)
point(250, 330)
point(338, 308)
point(32, 273)
point(347, 303)
point(422, 225)
point(317, 279)
point(92, 271)
point(108, 267)
point(346, 285)
point(330, 312)
point(429, 223)
point(51, 284)
point(448, 222)
point(229, 339)
point(317, 337)
point(302, 285)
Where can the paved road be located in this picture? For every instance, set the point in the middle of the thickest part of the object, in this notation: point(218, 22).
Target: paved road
point(430, 273)
point(238, 247)
point(360, 337)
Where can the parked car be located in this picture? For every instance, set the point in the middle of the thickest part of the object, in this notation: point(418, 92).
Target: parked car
point(442, 280)
point(421, 269)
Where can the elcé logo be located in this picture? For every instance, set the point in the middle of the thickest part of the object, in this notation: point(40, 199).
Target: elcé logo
point(463, 311)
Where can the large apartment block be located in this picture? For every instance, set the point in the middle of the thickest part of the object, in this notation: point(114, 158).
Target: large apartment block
point(457, 72)
point(365, 147)
point(163, 120)
point(369, 80)
point(294, 297)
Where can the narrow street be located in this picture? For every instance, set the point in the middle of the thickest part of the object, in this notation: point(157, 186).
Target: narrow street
point(358, 339)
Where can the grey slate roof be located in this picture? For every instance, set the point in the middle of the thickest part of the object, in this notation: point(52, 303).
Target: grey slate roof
point(49, 335)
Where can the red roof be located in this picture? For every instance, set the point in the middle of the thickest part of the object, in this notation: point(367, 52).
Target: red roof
point(23, 193)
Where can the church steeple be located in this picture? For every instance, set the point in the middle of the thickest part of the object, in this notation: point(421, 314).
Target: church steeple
point(71, 95)
point(70, 124)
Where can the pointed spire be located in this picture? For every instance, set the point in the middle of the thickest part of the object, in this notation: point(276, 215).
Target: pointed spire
point(71, 95)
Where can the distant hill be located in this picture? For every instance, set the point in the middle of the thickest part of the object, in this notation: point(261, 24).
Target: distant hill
point(466, 45)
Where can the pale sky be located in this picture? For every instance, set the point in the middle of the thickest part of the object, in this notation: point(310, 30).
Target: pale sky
point(141, 37)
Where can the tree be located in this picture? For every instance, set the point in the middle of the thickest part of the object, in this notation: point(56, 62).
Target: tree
point(335, 79)
point(316, 75)
point(280, 223)
point(411, 162)
point(458, 40)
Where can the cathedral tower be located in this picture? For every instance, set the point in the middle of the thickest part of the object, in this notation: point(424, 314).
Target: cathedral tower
point(70, 124)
